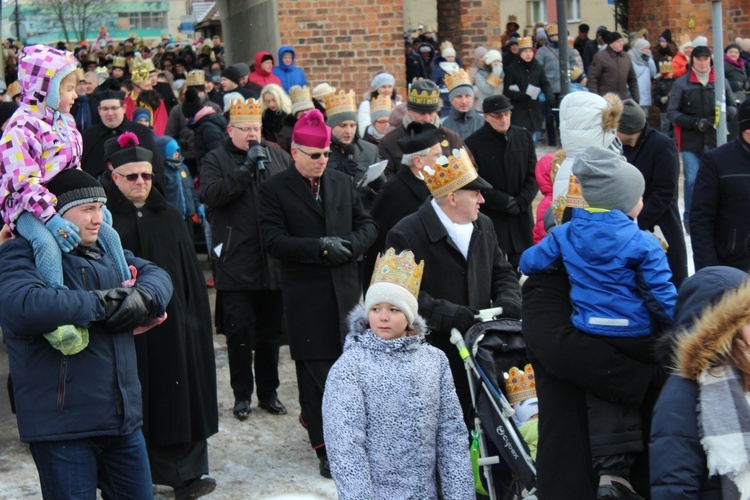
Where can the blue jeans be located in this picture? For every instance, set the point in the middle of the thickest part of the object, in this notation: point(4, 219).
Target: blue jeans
point(691, 161)
point(118, 465)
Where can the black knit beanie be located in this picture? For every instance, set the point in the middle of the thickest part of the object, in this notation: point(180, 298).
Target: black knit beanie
point(74, 187)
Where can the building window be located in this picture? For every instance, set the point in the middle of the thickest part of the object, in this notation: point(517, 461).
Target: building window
point(574, 10)
point(537, 11)
point(142, 20)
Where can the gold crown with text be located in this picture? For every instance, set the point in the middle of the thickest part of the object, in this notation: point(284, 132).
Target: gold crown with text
point(401, 270)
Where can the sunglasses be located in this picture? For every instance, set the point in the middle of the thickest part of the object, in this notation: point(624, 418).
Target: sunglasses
point(315, 156)
point(134, 177)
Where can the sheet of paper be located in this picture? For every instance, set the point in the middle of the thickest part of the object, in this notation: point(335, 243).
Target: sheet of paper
point(514, 88)
point(532, 91)
point(373, 172)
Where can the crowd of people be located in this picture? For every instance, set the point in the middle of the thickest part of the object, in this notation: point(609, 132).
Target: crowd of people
point(367, 228)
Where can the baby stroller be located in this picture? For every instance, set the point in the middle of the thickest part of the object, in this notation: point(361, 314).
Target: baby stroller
point(488, 349)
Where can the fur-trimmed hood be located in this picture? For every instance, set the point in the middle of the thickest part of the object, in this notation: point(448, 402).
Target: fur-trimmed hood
point(359, 325)
point(713, 304)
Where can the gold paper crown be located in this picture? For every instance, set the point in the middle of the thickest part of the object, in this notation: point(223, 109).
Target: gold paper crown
point(445, 45)
point(79, 74)
point(139, 74)
point(685, 39)
point(195, 78)
point(456, 79)
point(102, 69)
point(91, 58)
point(520, 385)
point(525, 43)
point(573, 199)
point(513, 18)
point(148, 64)
point(13, 89)
point(665, 66)
point(118, 62)
point(340, 102)
point(450, 174)
point(381, 103)
point(401, 270)
point(133, 63)
point(242, 111)
point(300, 94)
point(552, 29)
point(423, 98)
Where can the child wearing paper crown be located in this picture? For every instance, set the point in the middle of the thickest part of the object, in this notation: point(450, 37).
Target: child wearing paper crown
point(39, 142)
point(620, 290)
point(520, 386)
point(391, 417)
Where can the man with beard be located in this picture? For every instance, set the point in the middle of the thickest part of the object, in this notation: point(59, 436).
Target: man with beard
point(144, 96)
point(246, 276)
point(113, 124)
point(176, 364)
point(349, 154)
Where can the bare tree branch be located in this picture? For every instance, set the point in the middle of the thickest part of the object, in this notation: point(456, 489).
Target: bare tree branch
point(75, 17)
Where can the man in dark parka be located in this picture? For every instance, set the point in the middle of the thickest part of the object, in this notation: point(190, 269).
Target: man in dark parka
point(313, 221)
point(655, 155)
point(505, 158)
point(176, 363)
point(465, 270)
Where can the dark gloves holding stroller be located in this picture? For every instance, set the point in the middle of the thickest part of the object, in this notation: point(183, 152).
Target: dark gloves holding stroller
point(125, 308)
point(335, 251)
point(463, 319)
point(510, 309)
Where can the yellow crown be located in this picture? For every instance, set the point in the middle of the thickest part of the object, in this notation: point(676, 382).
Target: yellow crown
point(552, 29)
point(456, 79)
point(685, 39)
point(118, 62)
point(445, 45)
point(513, 18)
point(133, 63)
point(139, 74)
point(300, 94)
point(242, 111)
point(102, 69)
point(520, 385)
point(148, 64)
point(79, 74)
point(195, 78)
point(381, 103)
point(450, 174)
point(401, 270)
point(340, 102)
point(572, 199)
point(91, 58)
point(665, 66)
point(525, 43)
point(13, 89)
point(424, 98)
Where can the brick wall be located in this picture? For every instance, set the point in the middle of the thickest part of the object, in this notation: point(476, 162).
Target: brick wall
point(673, 14)
point(345, 43)
point(468, 23)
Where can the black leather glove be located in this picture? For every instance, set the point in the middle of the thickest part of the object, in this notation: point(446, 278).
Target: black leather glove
point(464, 318)
point(510, 309)
point(512, 207)
point(704, 124)
point(335, 251)
point(349, 165)
point(254, 155)
point(125, 308)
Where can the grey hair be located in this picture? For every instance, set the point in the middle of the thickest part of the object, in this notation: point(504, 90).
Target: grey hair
point(408, 158)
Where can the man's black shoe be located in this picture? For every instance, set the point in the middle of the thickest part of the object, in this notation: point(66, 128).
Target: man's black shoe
point(325, 467)
point(273, 406)
point(242, 409)
point(195, 489)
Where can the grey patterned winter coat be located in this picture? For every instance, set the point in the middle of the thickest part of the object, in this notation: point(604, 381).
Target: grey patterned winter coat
point(391, 419)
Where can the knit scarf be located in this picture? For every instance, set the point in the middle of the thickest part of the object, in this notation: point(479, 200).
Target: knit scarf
point(739, 62)
point(724, 417)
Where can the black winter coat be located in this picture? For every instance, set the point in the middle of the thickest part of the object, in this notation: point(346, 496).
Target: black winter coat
point(567, 364)
point(231, 196)
point(176, 364)
point(511, 176)
point(364, 154)
point(486, 279)
point(317, 298)
point(690, 101)
point(273, 122)
point(527, 112)
point(210, 132)
point(655, 155)
point(720, 234)
point(92, 159)
point(402, 195)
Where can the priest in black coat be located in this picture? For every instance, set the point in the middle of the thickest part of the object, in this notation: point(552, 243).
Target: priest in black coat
point(505, 157)
point(313, 222)
point(176, 363)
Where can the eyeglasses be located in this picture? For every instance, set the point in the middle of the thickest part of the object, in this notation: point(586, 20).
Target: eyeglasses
point(497, 116)
point(315, 156)
point(382, 121)
point(113, 108)
point(246, 130)
point(146, 176)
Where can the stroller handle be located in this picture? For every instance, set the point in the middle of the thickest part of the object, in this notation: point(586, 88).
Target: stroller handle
point(458, 340)
point(489, 314)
